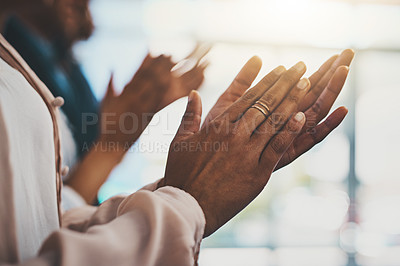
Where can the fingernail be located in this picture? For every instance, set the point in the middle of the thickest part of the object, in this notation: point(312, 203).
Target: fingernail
point(279, 70)
point(303, 84)
point(299, 117)
point(191, 94)
point(346, 68)
point(300, 66)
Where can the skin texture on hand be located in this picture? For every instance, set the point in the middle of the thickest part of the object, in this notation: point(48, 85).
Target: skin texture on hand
point(225, 180)
point(326, 85)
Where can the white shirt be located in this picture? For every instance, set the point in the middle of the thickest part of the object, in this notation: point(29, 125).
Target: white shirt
point(34, 183)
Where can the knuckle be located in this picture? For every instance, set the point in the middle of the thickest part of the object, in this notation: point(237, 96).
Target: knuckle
point(250, 95)
point(310, 129)
point(197, 119)
point(276, 120)
point(219, 127)
point(267, 81)
point(278, 144)
point(238, 81)
point(268, 99)
point(187, 116)
point(290, 155)
point(318, 89)
point(294, 98)
point(314, 137)
point(316, 107)
point(333, 68)
point(293, 126)
point(232, 94)
point(289, 78)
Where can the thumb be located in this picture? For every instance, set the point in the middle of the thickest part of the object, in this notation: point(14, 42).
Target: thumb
point(192, 118)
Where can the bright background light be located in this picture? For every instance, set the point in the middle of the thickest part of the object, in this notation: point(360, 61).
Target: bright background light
point(337, 205)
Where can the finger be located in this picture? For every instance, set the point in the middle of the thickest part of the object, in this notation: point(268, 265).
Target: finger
point(273, 97)
point(110, 93)
point(278, 145)
point(344, 59)
point(151, 77)
point(143, 71)
point(324, 103)
point(243, 80)
point(147, 61)
point(276, 121)
point(194, 51)
point(192, 61)
point(317, 76)
point(195, 83)
point(192, 80)
point(309, 139)
point(240, 84)
point(192, 118)
point(152, 67)
point(197, 72)
point(203, 66)
point(147, 88)
point(201, 50)
point(240, 106)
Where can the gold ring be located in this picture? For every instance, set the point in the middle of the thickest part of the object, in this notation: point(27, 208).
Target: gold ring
point(260, 109)
point(263, 105)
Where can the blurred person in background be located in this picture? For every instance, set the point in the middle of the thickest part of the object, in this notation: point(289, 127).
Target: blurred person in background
point(44, 32)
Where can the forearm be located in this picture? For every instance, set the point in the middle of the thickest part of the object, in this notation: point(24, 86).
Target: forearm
point(93, 171)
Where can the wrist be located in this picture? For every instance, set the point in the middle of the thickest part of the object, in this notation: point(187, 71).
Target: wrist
point(92, 172)
point(206, 206)
point(107, 151)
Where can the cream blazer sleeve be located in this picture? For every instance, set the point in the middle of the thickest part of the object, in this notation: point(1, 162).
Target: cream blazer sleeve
point(164, 227)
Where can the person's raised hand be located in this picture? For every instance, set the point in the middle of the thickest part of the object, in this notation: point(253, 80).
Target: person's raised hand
point(187, 75)
point(182, 85)
point(125, 116)
point(326, 84)
point(225, 165)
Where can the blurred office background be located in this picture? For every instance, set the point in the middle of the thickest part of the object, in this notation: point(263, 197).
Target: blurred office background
point(337, 205)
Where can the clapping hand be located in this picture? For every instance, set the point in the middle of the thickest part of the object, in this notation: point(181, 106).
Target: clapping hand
point(125, 116)
point(326, 85)
point(187, 75)
point(256, 131)
point(153, 87)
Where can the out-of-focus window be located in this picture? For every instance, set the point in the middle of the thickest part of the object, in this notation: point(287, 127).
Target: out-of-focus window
point(337, 205)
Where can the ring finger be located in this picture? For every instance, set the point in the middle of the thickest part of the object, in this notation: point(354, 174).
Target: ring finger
point(271, 99)
point(276, 121)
